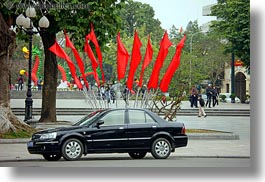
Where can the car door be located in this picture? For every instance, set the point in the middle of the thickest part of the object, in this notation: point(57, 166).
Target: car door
point(141, 128)
point(110, 135)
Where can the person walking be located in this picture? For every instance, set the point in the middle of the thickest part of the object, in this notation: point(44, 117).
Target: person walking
point(215, 96)
point(39, 83)
point(125, 95)
point(20, 81)
point(102, 92)
point(82, 83)
point(193, 97)
point(112, 94)
point(71, 84)
point(107, 94)
point(201, 106)
point(209, 95)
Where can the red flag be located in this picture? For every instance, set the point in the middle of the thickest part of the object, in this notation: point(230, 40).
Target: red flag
point(79, 61)
point(36, 65)
point(164, 84)
point(122, 58)
point(135, 60)
point(162, 54)
point(62, 71)
point(94, 63)
point(147, 60)
point(92, 36)
point(58, 51)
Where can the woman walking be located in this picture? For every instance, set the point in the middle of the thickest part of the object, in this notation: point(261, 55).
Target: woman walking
point(201, 106)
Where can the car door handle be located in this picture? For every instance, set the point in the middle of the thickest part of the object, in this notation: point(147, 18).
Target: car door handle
point(121, 128)
point(154, 126)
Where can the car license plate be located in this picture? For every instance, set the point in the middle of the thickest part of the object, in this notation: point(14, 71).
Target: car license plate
point(30, 144)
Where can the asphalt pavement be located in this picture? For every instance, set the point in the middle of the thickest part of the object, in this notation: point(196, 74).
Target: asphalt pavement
point(235, 143)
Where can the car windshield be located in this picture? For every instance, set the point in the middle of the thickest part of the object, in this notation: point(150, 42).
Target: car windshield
point(88, 119)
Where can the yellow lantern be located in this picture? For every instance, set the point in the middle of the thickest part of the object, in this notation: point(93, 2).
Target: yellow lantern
point(26, 51)
point(22, 72)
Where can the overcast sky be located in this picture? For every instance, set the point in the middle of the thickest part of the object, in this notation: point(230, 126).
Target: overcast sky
point(179, 12)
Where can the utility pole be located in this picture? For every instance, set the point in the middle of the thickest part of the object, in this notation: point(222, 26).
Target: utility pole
point(233, 76)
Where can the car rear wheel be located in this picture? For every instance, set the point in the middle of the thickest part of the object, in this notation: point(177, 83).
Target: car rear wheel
point(72, 149)
point(137, 155)
point(161, 148)
point(52, 157)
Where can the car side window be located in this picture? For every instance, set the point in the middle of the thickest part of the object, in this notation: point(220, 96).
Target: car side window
point(113, 118)
point(139, 117)
point(149, 119)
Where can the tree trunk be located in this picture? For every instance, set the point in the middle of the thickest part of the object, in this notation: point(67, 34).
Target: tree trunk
point(48, 111)
point(8, 121)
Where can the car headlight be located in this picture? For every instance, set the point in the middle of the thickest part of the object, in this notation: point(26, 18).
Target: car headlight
point(48, 136)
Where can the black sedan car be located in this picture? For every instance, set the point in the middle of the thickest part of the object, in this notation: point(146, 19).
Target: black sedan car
point(132, 131)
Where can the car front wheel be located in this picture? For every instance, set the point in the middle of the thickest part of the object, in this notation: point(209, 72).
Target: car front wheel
point(72, 149)
point(161, 148)
point(52, 157)
point(137, 155)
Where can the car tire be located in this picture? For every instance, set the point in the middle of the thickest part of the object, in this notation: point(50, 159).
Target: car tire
point(52, 157)
point(161, 148)
point(137, 155)
point(72, 149)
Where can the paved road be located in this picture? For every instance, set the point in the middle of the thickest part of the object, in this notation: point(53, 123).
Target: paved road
point(196, 148)
point(125, 161)
point(205, 149)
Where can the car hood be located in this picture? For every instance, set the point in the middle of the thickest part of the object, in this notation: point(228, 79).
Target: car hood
point(60, 129)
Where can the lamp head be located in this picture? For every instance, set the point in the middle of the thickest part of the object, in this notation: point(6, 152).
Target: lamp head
point(31, 12)
point(20, 20)
point(44, 22)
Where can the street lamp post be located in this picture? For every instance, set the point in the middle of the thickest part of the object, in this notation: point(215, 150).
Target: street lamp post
point(26, 24)
point(233, 76)
point(191, 56)
point(190, 59)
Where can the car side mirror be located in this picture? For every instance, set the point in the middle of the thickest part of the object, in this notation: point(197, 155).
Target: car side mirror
point(100, 122)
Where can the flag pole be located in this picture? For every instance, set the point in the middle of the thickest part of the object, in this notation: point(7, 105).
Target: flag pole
point(88, 98)
point(144, 98)
point(147, 97)
point(95, 99)
point(136, 99)
point(154, 97)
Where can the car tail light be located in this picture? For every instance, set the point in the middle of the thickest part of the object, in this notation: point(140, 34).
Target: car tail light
point(183, 130)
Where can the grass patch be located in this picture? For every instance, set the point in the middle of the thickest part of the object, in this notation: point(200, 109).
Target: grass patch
point(14, 135)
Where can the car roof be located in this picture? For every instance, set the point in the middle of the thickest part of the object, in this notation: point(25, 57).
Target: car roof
point(113, 109)
point(136, 109)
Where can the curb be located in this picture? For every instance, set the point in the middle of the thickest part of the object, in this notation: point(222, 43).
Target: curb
point(14, 141)
point(213, 136)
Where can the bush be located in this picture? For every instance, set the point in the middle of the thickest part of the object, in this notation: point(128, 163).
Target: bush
point(232, 96)
point(223, 97)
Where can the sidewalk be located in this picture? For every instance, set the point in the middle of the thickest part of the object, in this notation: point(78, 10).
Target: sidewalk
point(82, 103)
point(226, 124)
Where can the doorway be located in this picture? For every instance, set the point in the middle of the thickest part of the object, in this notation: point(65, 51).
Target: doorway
point(240, 86)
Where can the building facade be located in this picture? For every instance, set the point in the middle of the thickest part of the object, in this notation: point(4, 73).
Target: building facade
point(242, 82)
point(242, 77)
